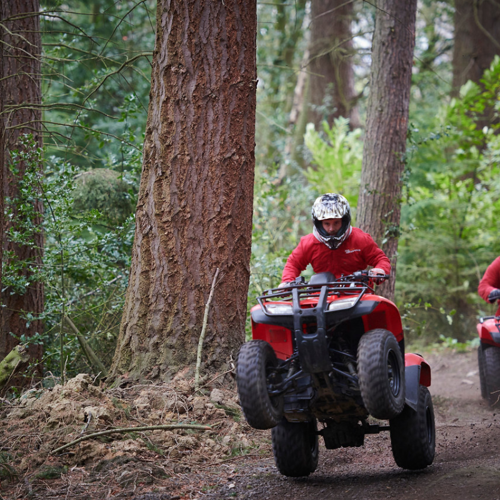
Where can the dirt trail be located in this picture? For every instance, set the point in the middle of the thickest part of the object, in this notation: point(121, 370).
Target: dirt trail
point(232, 460)
point(467, 463)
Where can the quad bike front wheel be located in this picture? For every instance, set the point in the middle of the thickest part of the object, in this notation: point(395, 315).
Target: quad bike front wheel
point(413, 434)
point(255, 369)
point(492, 375)
point(381, 374)
point(295, 447)
point(482, 372)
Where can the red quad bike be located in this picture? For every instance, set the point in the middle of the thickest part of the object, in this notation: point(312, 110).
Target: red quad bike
point(331, 351)
point(488, 356)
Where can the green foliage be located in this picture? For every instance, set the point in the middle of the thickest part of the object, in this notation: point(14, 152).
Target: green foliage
point(451, 218)
point(103, 190)
point(96, 80)
point(85, 261)
point(337, 157)
point(7, 471)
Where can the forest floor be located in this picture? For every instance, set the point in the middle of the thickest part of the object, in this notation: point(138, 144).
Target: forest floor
point(231, 460)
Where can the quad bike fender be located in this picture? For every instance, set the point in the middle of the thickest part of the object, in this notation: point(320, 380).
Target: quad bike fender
point(489, 332)
point(384, 315)
point(417, 373)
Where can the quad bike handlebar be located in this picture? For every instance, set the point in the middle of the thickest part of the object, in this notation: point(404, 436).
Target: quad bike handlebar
point(358, 283)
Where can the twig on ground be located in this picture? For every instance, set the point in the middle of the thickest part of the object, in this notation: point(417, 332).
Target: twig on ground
point(202, 334)
point(133, 429)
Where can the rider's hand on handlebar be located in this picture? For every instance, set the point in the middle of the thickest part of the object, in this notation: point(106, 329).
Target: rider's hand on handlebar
point(494, 296)
point(376, 271)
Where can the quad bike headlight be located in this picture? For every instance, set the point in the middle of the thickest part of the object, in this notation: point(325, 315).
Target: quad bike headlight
point(339, 305)
point(279, 308)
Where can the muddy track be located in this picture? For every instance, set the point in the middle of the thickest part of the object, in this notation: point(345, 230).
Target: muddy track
point(467, 463)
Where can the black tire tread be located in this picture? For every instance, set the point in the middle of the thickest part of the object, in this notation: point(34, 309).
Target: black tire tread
point(409, 439)
point(482, 372)
point(294, 452)
point(492, 372)
point(260, 412)
point(372, 374)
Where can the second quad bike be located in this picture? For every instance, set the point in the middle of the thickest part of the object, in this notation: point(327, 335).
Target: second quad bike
point(331, 351)
point(488, 356)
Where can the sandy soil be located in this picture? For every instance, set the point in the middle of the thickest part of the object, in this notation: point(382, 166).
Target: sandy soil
point(234, 461)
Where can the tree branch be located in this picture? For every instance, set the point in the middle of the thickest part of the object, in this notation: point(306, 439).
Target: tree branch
point(133, 429)
point(203, 331)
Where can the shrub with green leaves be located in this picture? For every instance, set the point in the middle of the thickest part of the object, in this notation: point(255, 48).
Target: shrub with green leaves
point(337, 156)
point(451, 216)
point(85, 264)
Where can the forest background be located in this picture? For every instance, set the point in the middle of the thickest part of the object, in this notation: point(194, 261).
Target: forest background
point(96, 65)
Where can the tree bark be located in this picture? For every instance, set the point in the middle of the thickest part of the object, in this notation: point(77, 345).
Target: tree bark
point(476, 41)
point(20, 83)
point(194, 213)
point(379, 205)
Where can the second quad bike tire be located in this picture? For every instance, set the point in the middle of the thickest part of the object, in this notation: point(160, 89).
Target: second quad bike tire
point(256, 360)
point(492, 375)
point(295, 447)
point(381, 374)
point(413, 434)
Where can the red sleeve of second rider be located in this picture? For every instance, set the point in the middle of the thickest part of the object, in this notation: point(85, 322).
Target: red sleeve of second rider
point(490, 280)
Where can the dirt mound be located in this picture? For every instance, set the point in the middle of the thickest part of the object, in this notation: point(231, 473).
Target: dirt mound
point(43, 421)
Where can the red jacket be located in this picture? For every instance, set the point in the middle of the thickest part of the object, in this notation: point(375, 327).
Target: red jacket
point(354, 254)
point(490, 281)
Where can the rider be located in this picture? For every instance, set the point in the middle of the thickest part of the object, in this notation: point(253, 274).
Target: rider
point(489, 285)
point(334, 245)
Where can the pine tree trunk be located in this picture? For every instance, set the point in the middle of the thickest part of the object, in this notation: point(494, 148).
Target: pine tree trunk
point(379, 205)
point(20, 85)
point(194, 213)
point(331, 76)
point(476, 41)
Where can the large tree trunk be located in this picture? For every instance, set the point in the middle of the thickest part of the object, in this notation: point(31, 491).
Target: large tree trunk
point(194, 213)
point(20, 92)
point(476, 41)
point(379, 205)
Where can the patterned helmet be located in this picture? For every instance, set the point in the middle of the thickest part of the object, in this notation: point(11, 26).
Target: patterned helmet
point(331, 206)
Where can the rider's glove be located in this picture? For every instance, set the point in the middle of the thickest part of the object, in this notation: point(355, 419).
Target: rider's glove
point(494, 296)
point(376, 271)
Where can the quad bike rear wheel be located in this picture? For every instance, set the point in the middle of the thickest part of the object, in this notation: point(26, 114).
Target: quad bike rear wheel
point(482, 372)
point(381, 374)
point(413, 434)
point(295, 447)
point(492, 372)
point(255, 367)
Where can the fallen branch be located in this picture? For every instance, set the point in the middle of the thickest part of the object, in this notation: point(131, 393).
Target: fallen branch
point(94, 361)
point(133, 429)
point(202, 334)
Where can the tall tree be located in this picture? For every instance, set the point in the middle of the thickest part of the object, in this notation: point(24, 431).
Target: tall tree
point(379, 205)
point(477, 39)
point(20, 93)
point(328, 90)
point(331, 78)
point(194, 213)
